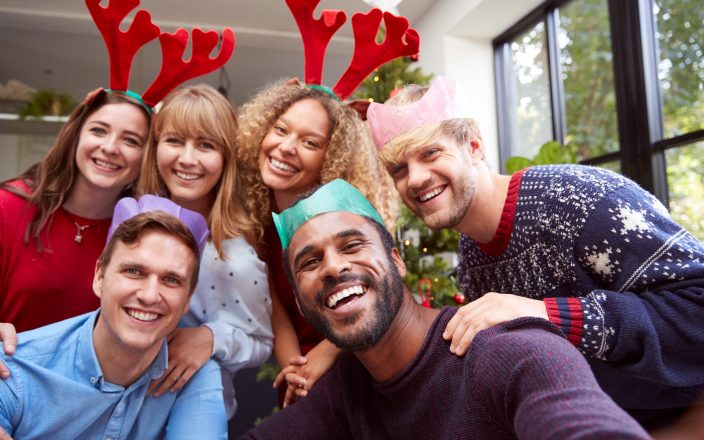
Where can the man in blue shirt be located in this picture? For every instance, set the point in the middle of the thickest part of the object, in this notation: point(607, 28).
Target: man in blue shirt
point(87, 377)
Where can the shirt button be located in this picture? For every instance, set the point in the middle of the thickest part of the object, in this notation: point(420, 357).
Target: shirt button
point(93, 379)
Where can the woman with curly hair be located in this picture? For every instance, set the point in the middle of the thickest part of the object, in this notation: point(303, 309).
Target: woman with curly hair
point(292, 138)
point(191, 160)
point(54, 217)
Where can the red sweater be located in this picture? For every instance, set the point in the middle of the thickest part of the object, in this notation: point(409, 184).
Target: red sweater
point(39, 288)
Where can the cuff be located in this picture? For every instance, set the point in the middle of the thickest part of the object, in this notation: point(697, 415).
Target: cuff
point(566, 313)
point(220, 331)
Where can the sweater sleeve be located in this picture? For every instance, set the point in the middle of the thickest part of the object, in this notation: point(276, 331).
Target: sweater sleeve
point(644, 280)
point(540, 387)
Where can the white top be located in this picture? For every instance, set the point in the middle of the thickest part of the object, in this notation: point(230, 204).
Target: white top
point(232, 299)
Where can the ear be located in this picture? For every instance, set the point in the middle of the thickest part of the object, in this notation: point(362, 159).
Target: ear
point(476, 150)
point(398, 261)
point(98, 280)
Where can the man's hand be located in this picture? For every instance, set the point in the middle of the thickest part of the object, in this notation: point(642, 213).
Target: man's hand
point(489, 310)
point(189, 349)
point(8, 335)
point(303, 372)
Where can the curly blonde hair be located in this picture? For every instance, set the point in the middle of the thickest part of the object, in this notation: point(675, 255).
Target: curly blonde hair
point(192, 112)
point(350, 155)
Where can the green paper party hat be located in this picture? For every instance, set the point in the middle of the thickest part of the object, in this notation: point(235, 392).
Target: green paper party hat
point(337, 195)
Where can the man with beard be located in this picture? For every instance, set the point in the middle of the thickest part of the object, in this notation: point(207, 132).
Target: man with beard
point(582, 247)
point(398, 379)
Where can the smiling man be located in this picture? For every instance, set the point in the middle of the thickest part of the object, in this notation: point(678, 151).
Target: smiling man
point(398, 380)
point(87, 377)
point(582, 247)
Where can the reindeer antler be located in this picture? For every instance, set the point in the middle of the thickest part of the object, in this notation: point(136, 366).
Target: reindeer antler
point(316, 34)
point(122, 46)
point(174, 70)
point(368, 55)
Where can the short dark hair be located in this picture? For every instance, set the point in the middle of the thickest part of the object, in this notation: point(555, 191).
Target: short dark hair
point(131, 230)
point(387, 240)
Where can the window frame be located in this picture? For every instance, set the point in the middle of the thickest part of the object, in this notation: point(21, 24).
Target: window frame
point(638, 102)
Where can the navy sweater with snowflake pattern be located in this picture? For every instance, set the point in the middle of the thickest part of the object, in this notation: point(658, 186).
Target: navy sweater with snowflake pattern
point(617, 274)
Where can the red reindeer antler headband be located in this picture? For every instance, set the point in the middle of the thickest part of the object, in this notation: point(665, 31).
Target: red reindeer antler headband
point(122, 47)
point(400, 41)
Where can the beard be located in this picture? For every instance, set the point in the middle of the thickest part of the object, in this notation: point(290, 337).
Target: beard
point(388, 302)
point(451, 215)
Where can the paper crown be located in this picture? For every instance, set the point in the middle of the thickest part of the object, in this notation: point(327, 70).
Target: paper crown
point(128, 207)
point(441, 102)
point(122, 47)
point(337, 195)
point(400, 41)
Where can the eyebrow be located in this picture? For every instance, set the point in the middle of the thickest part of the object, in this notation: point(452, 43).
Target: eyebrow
point(129, 132)
point(309, 248)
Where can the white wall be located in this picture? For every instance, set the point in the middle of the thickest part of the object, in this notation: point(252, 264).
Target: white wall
point(456, 38)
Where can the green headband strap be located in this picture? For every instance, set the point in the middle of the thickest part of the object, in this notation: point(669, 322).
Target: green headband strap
point(324, 89)
point(337, 195)
point(134, 96)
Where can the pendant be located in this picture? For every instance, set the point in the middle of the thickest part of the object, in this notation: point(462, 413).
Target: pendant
point(78, 237)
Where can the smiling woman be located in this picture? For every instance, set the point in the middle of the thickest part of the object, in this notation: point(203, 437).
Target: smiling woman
point(191, 160)
point(57, 212)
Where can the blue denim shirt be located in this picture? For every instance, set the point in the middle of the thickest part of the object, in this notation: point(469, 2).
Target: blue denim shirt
point(57, 390)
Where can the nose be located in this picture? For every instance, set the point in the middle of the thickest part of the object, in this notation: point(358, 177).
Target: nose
point(149, 293)
point(418, 176)
point(334, 264)
point(288, 145)
point(187, 154)
point(110, 145)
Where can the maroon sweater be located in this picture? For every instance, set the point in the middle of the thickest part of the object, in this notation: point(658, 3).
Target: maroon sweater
point(521, 379)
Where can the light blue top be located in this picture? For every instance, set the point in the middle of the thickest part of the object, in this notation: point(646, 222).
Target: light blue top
point(57, 390)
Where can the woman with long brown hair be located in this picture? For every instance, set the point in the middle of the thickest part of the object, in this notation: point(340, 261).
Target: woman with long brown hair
point(54, 217)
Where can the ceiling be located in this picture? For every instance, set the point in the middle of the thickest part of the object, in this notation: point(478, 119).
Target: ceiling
point(54, 43)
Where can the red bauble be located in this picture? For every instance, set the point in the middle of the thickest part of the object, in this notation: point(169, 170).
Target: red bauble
point(459, 298)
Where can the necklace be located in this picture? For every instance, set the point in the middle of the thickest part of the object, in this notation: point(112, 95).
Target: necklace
point(79, 230)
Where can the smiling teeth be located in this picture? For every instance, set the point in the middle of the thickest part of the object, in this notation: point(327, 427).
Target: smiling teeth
point(186, 176)
point(339, 296)
point(427, 196)
point(282, 166)
point(106, 164)
point(142, 316)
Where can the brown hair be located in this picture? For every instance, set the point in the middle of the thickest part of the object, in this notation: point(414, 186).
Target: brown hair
point(192, 112)
point(350, 154)
point(51, 180)
point(461, 130)
point(131, 230)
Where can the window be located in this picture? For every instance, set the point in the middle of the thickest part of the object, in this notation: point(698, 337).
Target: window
point(625, 87)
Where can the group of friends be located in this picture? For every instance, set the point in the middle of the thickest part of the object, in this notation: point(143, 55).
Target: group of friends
point(151, 255)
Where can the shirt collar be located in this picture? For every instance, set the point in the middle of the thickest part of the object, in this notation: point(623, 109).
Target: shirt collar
point(87, 364)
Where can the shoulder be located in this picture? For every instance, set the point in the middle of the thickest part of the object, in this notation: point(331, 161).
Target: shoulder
point(51, 338)
point(559, 180)
point(206, 379)
point(507, 346)
point(9, 199)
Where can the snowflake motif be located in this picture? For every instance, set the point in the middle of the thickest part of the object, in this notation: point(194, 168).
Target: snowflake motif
point(601, 262)
point(632, 221)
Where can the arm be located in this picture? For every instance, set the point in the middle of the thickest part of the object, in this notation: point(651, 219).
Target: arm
point(285, 340)
point(643, 312)
point(535, 384)
point(199, 410)
point(10, 405)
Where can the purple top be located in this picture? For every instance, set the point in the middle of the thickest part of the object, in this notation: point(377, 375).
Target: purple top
point(520, 379)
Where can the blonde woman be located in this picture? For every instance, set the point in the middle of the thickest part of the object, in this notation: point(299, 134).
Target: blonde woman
point(191, 159)
point(294, 137)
